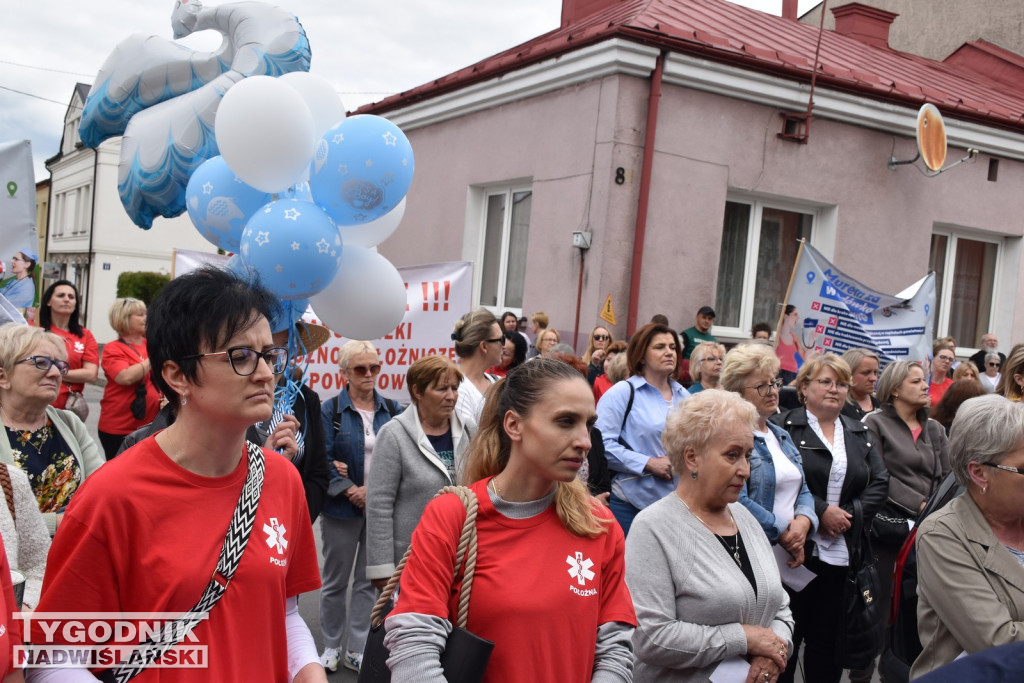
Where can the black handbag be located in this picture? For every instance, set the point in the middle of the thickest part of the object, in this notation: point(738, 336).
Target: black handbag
point(465, 655)
point(890, 526)
point(138, 405)
point(860, 632)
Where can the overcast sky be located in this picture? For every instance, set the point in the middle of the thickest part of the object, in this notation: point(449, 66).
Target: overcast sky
point(367, 49)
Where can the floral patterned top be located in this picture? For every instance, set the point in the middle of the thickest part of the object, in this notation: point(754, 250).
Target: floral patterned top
point(50, 465)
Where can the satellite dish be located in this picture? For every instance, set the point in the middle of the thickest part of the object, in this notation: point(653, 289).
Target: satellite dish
point(931, 137)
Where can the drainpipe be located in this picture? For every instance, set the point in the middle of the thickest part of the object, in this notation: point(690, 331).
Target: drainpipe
point(645, 193)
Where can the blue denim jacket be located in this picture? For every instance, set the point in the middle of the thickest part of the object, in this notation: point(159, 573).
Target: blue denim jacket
point(348, 446)
point(758, 495)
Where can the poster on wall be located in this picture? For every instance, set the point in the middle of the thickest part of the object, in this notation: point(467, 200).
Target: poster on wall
point(19, 259)
point(828, 311)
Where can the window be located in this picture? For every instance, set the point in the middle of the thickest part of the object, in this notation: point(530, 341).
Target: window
point(759, 248)
point(965, 273)
point(506, 230)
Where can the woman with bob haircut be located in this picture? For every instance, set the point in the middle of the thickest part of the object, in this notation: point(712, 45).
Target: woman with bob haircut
point(479, 342)
point(535, 522)
point(703, 577)
point(147, 534)
point(847, 479)
point(126, 365)
point(914, 449)
point(415, 455)
point(776, 490)
point(59, 312)
point(970, 553)
point(631, 416)
point(706, 366)
point(51, 446)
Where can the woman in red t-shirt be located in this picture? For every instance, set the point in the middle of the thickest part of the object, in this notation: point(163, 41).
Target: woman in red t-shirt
point(126, 366)
point(549, 586)
point(59, 313)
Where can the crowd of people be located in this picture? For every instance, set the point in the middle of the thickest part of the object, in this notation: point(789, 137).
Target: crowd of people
point(698, 510)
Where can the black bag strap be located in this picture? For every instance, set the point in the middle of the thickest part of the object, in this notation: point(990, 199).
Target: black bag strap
point(231, 552)
point(629, 407)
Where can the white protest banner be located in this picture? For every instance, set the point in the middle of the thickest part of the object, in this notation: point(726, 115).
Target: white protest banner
point(836, 313)
point(438, 295)
point(187, 260)
point(18, 225)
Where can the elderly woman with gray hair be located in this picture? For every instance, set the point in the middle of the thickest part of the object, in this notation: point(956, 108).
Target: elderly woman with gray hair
point(970, 554)
point(704, 581)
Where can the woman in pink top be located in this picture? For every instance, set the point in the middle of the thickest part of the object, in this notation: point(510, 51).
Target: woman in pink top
point(789, 344)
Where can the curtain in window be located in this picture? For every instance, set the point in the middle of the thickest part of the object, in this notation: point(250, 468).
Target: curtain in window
point(731, 264)
point(776, 256)
point(971, 299)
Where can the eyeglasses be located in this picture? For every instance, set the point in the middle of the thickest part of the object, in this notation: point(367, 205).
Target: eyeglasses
point(497, 340)
point(711, 360)
point(601, 337)
point(365, 369)
point(1005, 468)
point(994, 365)
point(766, 388)
point(44, 363)
point(244, 360)
point(18, 258)
point(830, 383)
point(948, 359)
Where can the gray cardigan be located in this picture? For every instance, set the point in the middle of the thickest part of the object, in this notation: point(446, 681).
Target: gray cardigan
point(691, 598)
point(915, 468)
point(405, 475)
point(72, 430)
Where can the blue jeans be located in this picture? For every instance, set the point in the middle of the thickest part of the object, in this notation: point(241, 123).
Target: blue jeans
point(623, 512)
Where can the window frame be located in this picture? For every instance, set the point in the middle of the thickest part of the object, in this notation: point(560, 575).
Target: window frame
point(475, 243)
point(943, 298)
point(823, 221)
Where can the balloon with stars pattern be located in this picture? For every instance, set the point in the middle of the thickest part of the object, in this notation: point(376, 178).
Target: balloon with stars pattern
point(361, 170)
point(220, 204)
point(294, 246)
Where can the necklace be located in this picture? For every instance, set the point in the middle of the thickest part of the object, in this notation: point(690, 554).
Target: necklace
point(10, 423)
point(494, 485)
point(733, 547)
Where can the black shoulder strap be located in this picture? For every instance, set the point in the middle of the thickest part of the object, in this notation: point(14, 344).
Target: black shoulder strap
point(393, 407)
point(629, 406)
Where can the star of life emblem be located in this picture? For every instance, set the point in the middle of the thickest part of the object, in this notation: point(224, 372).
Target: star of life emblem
point(579, 568)
point(275, 535)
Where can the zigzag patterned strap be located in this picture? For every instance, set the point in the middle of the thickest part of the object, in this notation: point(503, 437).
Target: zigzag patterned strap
point(231, 552)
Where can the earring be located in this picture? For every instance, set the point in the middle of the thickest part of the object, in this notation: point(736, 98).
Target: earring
point(184, 399)
point(693, 475)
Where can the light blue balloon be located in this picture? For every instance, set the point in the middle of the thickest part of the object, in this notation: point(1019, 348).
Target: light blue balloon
point(220, 204)
point(361, 170)
point(294, 246)
point(288, 314)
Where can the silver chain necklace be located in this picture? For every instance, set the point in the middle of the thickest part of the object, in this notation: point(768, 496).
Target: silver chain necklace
point(732, 548)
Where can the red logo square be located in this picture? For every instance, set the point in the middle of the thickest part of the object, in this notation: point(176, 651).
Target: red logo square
point(815, 305)
point(820, 329)
point(828, 342)
point(832, 322)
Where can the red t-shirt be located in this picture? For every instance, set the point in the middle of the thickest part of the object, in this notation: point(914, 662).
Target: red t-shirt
point(11, 629)
point(601, 385)
point(143, 535)
point(80, 350)
point(539, 592)
point(115, 406)
point(937, 391)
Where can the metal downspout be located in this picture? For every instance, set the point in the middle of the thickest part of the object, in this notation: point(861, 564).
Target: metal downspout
point(645, 193)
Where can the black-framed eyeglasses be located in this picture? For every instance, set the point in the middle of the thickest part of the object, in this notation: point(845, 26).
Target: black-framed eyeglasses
point(1005, 468)
point(497, 340)
point(44, 363)
point(766, 388)
point(244, 360)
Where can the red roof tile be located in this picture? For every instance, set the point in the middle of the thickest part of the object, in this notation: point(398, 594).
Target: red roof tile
point(716, 29)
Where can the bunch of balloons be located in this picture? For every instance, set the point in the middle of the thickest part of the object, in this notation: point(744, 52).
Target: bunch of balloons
point(303, 195)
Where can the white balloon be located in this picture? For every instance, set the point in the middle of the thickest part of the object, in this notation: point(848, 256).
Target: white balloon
point(367, 298)
point(373, 233)
point(320, 97)
point(265, 132)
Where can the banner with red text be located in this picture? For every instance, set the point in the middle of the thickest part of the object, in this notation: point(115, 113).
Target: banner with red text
point(438, 295)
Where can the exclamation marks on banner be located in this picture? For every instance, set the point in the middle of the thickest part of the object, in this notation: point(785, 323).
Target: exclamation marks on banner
point(432, 292)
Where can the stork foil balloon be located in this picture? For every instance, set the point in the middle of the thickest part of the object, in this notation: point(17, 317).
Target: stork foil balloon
point(260, 153)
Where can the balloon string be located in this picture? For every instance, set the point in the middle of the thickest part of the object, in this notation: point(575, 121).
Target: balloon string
point(286, 392)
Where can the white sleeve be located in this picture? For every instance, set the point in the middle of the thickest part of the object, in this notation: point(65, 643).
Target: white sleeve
point(59, 676)
point(301, 647)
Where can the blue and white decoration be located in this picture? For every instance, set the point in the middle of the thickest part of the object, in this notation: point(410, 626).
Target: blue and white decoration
point(220, 204)
point(294, 246)
point(365, 172)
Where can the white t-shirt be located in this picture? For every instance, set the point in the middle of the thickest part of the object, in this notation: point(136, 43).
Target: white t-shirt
point(788, 479)
point(369, 439)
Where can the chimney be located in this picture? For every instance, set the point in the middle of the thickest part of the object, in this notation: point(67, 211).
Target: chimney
point(867, 24)
point(789, 10)
point(574, 11)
